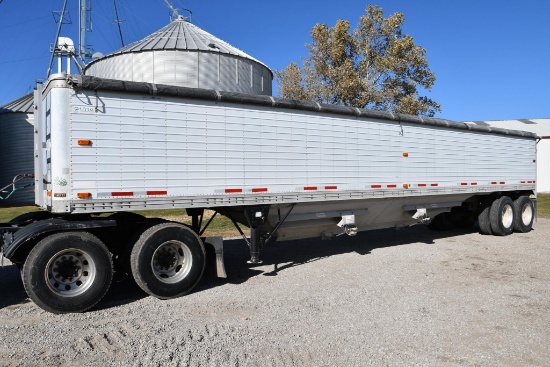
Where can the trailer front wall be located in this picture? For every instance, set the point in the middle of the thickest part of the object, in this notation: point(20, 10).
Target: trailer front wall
point(149, 146)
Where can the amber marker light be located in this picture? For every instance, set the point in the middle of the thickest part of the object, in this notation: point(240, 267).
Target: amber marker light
point(84, 142)
point(405, 154)
point(83, 195)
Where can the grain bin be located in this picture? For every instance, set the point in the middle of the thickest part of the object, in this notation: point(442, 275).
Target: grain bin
point(16, 147)
point(182, 54)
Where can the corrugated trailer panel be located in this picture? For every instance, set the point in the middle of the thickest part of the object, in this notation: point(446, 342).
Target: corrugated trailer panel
point(190, 147)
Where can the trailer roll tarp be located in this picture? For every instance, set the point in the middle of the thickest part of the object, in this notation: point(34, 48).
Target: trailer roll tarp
point(94, 83)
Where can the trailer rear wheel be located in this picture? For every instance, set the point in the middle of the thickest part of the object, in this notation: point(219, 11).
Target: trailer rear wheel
point(168, 260)
point(484, 222)
point(524, 211)
point(68, 272)
point(502, 216)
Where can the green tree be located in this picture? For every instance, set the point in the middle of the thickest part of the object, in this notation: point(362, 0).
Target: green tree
point(374, 66)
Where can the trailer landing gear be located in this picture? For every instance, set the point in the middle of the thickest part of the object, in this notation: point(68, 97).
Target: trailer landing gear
point(256, 216)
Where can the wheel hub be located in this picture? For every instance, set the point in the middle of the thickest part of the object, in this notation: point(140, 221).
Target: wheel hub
point(70, 272)
point(68, 268)
point(171, 261)
point(167, 259)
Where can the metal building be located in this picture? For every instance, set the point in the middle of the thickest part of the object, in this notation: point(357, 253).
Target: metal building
point(182, 54)
point(16, 147)
point(541, 127)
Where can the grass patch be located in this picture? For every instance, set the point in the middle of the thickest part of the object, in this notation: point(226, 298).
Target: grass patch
point(543, 205)
point(7, 214)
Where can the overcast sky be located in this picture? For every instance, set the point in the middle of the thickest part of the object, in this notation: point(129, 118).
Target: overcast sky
point(491, 58)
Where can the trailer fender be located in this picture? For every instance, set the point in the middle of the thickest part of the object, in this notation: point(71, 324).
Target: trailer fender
point(20, 236)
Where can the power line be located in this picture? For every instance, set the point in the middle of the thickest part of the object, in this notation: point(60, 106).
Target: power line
point(29, 59)
point(118, 21)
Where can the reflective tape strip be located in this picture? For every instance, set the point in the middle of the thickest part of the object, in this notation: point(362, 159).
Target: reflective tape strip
point(157, 192)
point(233, 191)
point(421, 185)
point(310, 188)
point(392, 186)
point(434, 185)
point(375, 186)
point(132, 193)
point(331, 187)
point(260, 189)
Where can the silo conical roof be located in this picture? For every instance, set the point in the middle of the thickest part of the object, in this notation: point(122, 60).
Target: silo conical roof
point(23, 104)
point(183, 35)
point(183, 54)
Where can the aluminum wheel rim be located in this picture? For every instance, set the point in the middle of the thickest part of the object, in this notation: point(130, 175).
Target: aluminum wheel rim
point(527, 214)
point(172, 262)
point(507, 216)
point(70, 272)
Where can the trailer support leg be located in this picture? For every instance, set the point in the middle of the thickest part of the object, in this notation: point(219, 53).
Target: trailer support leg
point(196, 218)
point(256, 217)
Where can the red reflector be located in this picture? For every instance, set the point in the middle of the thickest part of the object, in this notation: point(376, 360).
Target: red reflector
point(534, 160)
point(529, 181)
point(260, 189)
point(502, 182)
point(392, 186)
point(157, 192)
point(376, 186)
point(310, 188)
point(493, 183)
point(464, 183)
point(421, 185)
point(434, 185)
point(474, 183)
point(128, 193)
point(233, 191)
point(331, 187)
point(523, 182)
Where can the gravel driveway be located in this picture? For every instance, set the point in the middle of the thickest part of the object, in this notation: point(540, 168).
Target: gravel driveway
point(382, 298)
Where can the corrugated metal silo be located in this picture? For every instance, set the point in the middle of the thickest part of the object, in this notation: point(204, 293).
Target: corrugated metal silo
point(182, 54)
point(16, 147)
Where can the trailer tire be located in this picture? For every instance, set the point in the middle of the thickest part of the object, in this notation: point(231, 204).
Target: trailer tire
point(68, 272)
point(502, 216)
point(168, 260)
point(524, 212)
point(484, 222)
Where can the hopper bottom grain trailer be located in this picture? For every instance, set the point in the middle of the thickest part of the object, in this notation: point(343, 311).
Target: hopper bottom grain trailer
point(287, 169)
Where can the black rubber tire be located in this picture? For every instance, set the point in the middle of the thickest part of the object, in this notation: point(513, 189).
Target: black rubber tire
point(502, 216)
point(132, 238)
point(484, 222)
point(95, 283)
point(524, 211)
point(144, 255)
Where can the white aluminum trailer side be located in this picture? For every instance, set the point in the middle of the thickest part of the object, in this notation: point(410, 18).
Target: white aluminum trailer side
point(287, 169)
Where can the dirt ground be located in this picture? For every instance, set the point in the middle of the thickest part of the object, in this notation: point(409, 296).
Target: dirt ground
point(382, 298)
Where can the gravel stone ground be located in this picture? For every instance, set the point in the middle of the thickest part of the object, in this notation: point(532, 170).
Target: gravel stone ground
point(383, 298)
